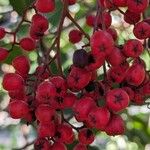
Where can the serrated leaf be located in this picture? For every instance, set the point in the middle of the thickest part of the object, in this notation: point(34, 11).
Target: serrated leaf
point(20, 5)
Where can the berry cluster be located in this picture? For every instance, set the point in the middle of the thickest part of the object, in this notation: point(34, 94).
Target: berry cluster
point(42, 97)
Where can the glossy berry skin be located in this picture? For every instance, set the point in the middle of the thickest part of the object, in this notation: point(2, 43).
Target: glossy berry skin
point(44, 113)
point(99, 42)
point(60, 85)
point(141, 30)
point(58, 146)
point(46, 130)
point(3, 54)
point(45, 6)
point(80, 147)
point(86, 136)
point(137, 6)
point(41, 143)
point(45, 91)
point(18, 109)
point(2, 33)
point(78, 78)
point(115, 126)
point(133, 48)
point(64, 134)
point(12, 82)
point(116, 57)
point(135, 75)
point(117, 100)
point(21, 65)
point(75, 36)
point(82, 108)
point(80, 58)
point(27, 44)
point(132, 17)
point(99, 117)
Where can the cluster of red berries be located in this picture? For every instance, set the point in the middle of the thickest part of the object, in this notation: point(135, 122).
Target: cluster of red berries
point(43, 98)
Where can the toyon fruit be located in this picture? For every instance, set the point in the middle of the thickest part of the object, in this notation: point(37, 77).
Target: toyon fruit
point(3, 54)
point(2, 33)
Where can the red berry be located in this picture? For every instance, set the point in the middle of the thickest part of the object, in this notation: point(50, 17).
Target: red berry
point(60, 85)
point(82, 108)
point(132, 17)
point(137, 6)
point(116, 57)
point(18, 109)
point(27, 44)
point(45, 91)
point(58, 146)
point(2, 33)
point(75, 36)
point(115, 126)
point(21, 64)
point(117, 100)
point(99, 117)
point(99, 42)
point(129, 91)
point(72, 2)
point(133, 48)
point(46, 130)
point(146, 88)
point(138, 98)
point(12, 82)
point(86, 136)
point(45, 6)
point(17, 94)
point(44, 113)
point(3, 54)
point(113, 33)
point(80, 147)
point(90, 20)
point(141, 30)
point(120, 3)
point(41, 143)
point(78, 78)
point(135, 75)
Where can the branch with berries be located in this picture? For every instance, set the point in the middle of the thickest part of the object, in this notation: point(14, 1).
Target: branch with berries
point(43, 97)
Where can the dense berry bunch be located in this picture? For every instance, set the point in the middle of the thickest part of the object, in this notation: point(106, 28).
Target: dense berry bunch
point(42, 97)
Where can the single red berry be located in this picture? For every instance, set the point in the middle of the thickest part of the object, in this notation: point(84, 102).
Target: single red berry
point(80, 147)
point(135, 75)
point(99, 42)
point(44, 113)
point(99, 117)
point(78, 78)
point(113, 33)
point(41, 143)
point(141, 30)
point(133, 48)
point(82, 108)
point(17, 94)
point(116, 57)
point(117, 100)
point(21, 64)
point(58, 146)
point(18, 109)
point(71, 2)
point(2, 32)
point(137, 6)
point(64, 134)
point(60, 85)
point(90, 20)
point(45, 91)
point(45, 6)
point(132, 17)
point(75, 36)
point(3, 54)
point(86, 136)
point(115, 126)
point(138, 98)
point(27, 44)
point(46, 130)
point(12, 82)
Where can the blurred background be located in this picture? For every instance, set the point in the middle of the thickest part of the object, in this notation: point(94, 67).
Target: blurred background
point(15, 133)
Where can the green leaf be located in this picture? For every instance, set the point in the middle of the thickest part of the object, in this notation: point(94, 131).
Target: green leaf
point(20, 5)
